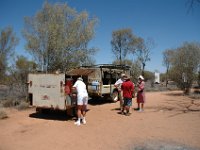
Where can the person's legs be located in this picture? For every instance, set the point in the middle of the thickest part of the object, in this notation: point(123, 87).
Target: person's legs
point(128, 105)
point(122, 106)
point(79, 109)
point(127, 109)
point(84, 108)
point(142, 106)
point(84, 114)
point(78, 122)
point(138, 106)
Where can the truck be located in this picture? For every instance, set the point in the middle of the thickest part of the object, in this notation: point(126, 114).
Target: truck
point(54, 90)
point(100, 79)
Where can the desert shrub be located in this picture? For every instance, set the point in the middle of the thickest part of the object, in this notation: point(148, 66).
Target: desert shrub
point(22, 105)
point(3, 114)
point(7, 103)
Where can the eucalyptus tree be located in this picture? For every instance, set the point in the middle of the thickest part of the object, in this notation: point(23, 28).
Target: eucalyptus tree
point(167, 61)
point(121, 43)
point(143, 51)
point(58, 37)
point(8, 41)
point(185, 64)
point(18, 74)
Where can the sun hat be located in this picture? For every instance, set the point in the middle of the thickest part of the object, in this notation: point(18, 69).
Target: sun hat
point(141, 77)
point(79, 78)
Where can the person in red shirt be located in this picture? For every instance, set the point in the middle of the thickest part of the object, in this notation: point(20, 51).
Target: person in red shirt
point(128, 90)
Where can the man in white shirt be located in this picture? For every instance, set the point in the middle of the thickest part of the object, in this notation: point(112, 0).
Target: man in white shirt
point(82, 100)
point(118, 85)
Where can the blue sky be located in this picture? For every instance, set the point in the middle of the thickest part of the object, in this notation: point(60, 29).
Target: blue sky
point(167, 22)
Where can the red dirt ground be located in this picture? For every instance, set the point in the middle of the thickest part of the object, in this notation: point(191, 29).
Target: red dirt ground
point(169, 117)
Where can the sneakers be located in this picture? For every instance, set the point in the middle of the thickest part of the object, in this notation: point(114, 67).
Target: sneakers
point(77, 123)
point(140, 110)
point(136, 109)
point(128, 114)
point(83, 121)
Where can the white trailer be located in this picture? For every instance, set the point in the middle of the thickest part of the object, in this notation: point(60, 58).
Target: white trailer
point(48, 91)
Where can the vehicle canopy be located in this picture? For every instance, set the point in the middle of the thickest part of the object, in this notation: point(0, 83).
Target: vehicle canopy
point(99, 79)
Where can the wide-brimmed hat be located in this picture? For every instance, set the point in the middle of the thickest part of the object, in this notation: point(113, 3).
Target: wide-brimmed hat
point(141, 77)
point(79, 78)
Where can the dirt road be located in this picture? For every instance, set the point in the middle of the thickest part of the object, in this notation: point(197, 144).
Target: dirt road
point(169, 119)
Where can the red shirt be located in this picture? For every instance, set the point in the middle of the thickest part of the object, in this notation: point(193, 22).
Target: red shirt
point(127, 88)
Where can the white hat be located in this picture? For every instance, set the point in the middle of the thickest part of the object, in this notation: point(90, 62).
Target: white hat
point(123, 75)
point(79, 78)
point(141, 77)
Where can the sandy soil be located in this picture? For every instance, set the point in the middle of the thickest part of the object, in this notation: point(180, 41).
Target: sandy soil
point(169, 118)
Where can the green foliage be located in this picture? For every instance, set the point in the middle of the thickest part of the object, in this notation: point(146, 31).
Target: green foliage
point(18, 76)
point(167, 60)
point(148, 75)
point(57, 36)
point(135, 69)
point(185, 62)
point(143, 52)
point(8, 41)
point(198, 79)
point(163, 77)
point(123, 42)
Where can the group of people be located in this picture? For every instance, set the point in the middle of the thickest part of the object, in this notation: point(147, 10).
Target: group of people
point(126, 91)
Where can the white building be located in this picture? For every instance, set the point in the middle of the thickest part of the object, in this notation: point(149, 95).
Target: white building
point(157, 77)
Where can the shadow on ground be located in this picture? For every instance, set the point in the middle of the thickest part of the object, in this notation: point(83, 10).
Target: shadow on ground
point(99, 101)
point(53, 115)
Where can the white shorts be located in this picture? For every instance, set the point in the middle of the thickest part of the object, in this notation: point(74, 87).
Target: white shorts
point(82, 100)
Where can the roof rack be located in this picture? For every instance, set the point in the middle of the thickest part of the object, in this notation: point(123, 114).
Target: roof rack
point(111, 66)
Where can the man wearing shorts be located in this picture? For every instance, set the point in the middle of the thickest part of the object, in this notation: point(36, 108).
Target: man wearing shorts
point(118, 85)
point(82, 100)
point(128, 90)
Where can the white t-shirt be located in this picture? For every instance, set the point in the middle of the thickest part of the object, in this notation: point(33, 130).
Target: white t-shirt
point(118, 83)
point(81, 88)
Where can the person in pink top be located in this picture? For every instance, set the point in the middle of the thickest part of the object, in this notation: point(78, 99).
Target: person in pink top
point(140, 93)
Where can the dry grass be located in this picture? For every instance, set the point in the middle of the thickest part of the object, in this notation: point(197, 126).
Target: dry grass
point(22, 105)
